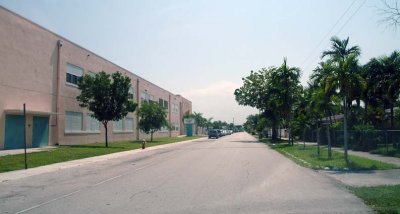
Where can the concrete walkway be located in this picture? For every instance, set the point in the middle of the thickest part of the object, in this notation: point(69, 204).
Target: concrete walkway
point(385, 159)
point(365, 178)
point(28, 150)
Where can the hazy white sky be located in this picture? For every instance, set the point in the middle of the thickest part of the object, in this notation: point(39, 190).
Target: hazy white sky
point(208, 46)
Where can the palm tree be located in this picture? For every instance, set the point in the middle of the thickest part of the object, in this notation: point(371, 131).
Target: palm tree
point(198, 118)
point(287, 79)
point(343, 77)
point(390, 68)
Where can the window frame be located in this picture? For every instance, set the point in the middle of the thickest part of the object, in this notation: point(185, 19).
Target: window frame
point(67, 129)
point(71, 78)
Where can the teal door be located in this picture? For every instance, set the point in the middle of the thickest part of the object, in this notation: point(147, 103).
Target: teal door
point(14, 132)
point(40, 131)
point(189, 130)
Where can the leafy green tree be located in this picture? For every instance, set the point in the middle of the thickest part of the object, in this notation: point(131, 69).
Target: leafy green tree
point(259, 91)
point(152, 118)
point(107, 96)
point(344, 76)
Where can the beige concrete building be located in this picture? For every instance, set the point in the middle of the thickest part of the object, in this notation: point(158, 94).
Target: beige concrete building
point(41, 69)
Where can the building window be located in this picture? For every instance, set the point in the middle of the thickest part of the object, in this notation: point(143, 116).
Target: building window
point(130, 93)
point(73, 121)
point(92, 124)
point(164, 129)
point(163, 103)
point(175, 127)
point(128, 124)
point(74, 73)
point(118, 126)
point(175, 108)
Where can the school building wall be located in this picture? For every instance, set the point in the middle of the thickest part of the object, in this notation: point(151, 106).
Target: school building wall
point(34, 63)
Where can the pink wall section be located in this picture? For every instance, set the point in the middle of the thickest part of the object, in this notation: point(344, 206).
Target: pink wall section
point(28, 74)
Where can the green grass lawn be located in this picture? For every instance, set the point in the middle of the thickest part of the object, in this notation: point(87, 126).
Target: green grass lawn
point(383, 199)
point(308, 157)
point(73, 152)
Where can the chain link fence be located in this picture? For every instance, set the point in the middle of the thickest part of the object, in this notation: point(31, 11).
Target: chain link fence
point(385, 142)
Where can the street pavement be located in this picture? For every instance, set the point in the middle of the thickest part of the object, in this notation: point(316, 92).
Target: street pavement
point(233, 174)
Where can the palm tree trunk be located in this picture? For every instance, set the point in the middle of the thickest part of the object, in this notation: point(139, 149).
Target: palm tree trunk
point(304, 138)
point(345, 130)
point(318, 141)
point(366, 113)
point(328, 135)
point(391, 117)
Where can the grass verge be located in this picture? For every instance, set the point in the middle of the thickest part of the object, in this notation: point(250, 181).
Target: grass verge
point(308, 157)
point(383, 199)
point(74, 152)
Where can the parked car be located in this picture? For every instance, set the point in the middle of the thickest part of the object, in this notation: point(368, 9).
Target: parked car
point(213, 133)
point(220, 134)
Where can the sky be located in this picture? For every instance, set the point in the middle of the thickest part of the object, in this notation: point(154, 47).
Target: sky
point(202, 49)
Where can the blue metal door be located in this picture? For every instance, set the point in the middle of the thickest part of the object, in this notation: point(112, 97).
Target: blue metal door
point(14, 132)
point(189, 130)
point(40, 131)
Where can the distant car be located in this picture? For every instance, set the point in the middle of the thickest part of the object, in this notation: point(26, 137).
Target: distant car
point(220, 134)
point(213, 133)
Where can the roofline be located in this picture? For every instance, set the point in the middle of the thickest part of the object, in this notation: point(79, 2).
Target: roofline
point(79, 46)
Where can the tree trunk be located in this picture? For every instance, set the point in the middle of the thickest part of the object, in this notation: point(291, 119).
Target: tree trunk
point(304, 138)
point(366, 113)
point(318, 142)
point(274, 134)
point(391, 117)
point(151, 136)
point(345, 130)
point(328, 133)
point(106, 136)
point(328, 136)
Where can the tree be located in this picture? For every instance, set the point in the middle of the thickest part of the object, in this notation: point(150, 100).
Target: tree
point(391, 13)
point(199, 120)
point(344, 76)
point(259, 91)
point(107, 98)
point(287, 79)
point(152, 118)
point(390, 80)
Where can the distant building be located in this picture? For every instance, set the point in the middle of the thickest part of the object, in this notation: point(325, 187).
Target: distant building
point(41, 69)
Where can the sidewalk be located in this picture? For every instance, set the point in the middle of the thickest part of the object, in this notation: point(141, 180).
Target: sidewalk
point(28, 150)
point(17, 174)
point(386, 159)
point(364, 178)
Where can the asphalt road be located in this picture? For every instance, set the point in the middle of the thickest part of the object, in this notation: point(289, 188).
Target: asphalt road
point(233, 174)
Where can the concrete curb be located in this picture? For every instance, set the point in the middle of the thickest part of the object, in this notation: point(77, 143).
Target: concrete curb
point(18, 174)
